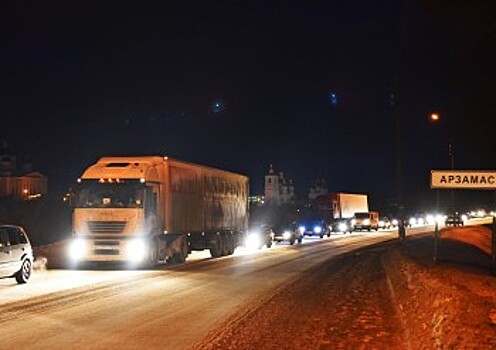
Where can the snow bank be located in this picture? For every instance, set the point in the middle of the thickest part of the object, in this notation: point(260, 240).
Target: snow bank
point(477, 236)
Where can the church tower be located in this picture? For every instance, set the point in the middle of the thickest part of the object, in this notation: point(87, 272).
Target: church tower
point(272, 187)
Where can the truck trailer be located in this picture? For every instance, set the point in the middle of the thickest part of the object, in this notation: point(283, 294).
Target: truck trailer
point(342, 205)
point(147, 209)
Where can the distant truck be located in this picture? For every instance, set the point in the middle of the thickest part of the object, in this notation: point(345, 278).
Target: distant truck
point(147, 209)
point(342, 205)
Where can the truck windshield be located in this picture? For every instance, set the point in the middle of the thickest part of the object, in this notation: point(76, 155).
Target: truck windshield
point(362, 215)
point(110, 195)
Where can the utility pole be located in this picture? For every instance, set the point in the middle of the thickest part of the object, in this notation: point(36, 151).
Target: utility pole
point(399, 158)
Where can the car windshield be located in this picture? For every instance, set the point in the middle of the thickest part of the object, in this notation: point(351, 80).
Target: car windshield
point(362, 215)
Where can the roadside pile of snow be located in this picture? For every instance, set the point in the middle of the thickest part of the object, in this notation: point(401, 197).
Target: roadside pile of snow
point(50, 255)
point(449, 305)
point(478, 236)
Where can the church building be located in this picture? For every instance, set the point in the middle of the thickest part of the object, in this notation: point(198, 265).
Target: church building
point(19, 181)
point(278, 189)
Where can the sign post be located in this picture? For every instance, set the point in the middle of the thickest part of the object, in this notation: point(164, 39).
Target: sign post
point(469, 180)
point(493, 257)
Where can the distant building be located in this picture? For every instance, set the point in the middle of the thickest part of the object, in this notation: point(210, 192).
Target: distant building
point(319, 188)
point(278, 189)
point(19, 182)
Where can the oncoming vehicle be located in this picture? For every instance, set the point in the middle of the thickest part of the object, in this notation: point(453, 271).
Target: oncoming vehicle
point(145, 210)
point(454, 220)
point(314, 227)
point(384, 223)
point(259, 236)
point(289, 233)
point(342, 225)
point(16, 254)
point(366, 221)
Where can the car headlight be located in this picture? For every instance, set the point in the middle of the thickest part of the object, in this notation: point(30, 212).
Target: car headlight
point(78, 249)
point(343, 227)
point(353, 221)
point(135, 250)
point(302, 229)
point(395, 222)
point(286, 235)
point(317, 229)
point(412, 221)
point(366, 222)
point(382, 223)
point(252, 241)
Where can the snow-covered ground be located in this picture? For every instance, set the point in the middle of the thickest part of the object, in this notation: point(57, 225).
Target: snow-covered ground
point(388, 296)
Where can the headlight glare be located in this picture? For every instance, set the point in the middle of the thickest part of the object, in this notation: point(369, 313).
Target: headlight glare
point(136, 250)
point(252, 241)
point(78, 249)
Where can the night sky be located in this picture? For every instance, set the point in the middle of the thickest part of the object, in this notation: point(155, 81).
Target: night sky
point(241, 84)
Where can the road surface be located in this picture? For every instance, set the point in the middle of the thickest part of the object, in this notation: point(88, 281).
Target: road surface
point(171, 307)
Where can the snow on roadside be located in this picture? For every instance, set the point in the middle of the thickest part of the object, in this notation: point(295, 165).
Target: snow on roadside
point(50, 255)
point(478, 236)
point(449, 305)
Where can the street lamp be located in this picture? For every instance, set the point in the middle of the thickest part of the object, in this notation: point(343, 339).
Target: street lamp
point(435, 117)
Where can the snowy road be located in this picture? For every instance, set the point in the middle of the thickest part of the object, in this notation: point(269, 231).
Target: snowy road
point(172, 307)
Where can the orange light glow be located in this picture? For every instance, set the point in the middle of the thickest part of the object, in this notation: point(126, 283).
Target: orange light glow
point(434, 116)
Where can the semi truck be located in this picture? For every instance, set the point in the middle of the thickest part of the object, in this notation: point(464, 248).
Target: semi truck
point(146, 209)
point(342, 205)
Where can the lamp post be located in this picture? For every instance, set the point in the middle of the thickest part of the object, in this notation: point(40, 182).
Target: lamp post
point(435, 117)
point(399, 158)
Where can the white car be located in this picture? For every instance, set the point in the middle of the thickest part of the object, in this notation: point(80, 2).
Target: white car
point(16, 253)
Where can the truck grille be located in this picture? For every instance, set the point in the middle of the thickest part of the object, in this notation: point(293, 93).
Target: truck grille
point(106, 226)
point(106, 252)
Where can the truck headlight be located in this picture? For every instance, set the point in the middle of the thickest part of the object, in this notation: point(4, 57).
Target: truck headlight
point(302, 229)
point(366, 222)
point(343, 227)
point(353, 221)
point(78, 249)
point(135, 250)
point(286, 235)
point(317, 229)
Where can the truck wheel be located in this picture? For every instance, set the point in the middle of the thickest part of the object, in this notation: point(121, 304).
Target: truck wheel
point(230, 245)
point(291, 242)
point(215, 251)
point(180, 256)
point(224, 244)
point(300, 239)
point(269, 244)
